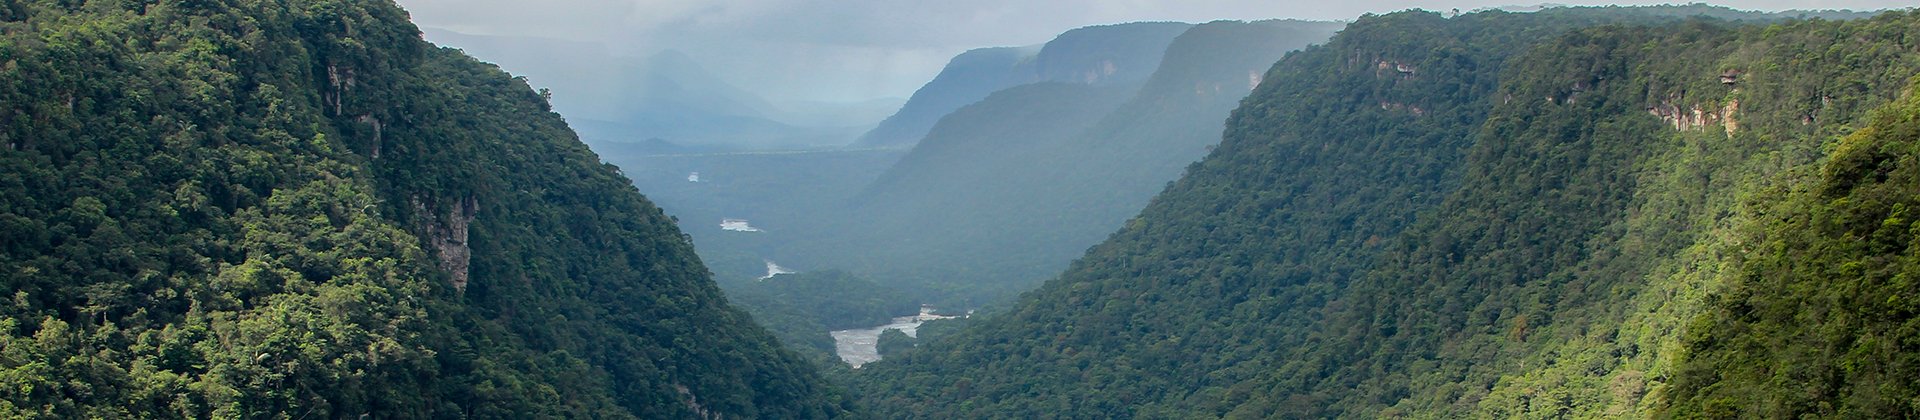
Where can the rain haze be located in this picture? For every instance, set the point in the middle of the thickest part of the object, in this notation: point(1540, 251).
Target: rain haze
point(845, 51)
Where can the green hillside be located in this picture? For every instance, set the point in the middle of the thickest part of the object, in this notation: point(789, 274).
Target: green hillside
point(1818, 316)
point(300, 209)
point(1490, 215)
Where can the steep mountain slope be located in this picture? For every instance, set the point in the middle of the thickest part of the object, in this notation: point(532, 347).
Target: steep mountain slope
point(1819, 317)
point(1103, 55)
point(1019, 189)
point(1589, 224)
point(246, 209)
point(1493, 215)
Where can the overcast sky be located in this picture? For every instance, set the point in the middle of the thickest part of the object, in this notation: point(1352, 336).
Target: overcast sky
point(843, 50)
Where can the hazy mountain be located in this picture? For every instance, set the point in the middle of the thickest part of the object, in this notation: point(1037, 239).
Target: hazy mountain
point(1586, 212)
point(1108, 54)
point(615, 98)
point(1100, 55)
point(968, 78)
point(1019, 184)
point(671, 85)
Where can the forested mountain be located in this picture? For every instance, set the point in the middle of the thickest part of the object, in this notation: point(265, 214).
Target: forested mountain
point(1096, 55)
point(300, 209)
point(1579, 212)
point(1818, 317)
point(1019, 184)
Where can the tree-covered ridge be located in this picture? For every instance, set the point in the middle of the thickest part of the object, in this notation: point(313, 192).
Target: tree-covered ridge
point(1592, 215)
point(1820, 317)
point(300, 209)
point(1493, 215)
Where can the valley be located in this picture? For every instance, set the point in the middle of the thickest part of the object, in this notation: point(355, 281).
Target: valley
point(355, 209)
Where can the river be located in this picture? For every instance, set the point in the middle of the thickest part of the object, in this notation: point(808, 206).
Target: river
point(860, 346)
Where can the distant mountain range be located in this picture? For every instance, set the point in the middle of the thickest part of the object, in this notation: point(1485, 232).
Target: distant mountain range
point(1097, 55)
point(1025, 179)
point(668, 95)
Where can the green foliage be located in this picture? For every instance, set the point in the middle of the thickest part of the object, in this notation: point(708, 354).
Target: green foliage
point(259, 209)
point(892, 342)
point(938, 329)
point(1492, 215)
point(1266, 228)
point(801, 308)
point(1820, 318)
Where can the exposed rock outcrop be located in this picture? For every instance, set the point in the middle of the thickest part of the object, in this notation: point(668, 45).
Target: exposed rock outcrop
point(1698, 116)
point(1395, 68)
point(448, 236)
point(370, 120)
point(1416, 110)
point(693, 404)
point(341, 81)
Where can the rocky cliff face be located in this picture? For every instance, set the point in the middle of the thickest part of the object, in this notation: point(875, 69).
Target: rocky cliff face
point(447, 234)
